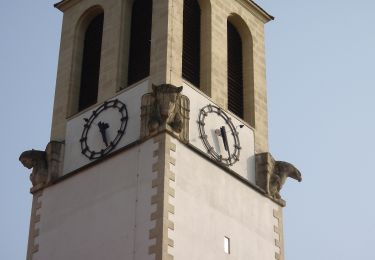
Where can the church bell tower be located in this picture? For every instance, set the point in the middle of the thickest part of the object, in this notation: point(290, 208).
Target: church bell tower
point(159, 144)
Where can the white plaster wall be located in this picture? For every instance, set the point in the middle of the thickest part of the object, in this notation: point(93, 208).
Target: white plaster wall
point(246, 165)
point(101, 213)
point(74, 159)
point(132, 98)
point(211, 204)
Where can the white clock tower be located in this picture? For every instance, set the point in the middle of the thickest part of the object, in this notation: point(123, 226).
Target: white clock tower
point(159, 146)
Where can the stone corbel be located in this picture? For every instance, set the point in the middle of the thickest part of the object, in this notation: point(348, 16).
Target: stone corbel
point(46, 165)
point(271, 175)
point(165, 109)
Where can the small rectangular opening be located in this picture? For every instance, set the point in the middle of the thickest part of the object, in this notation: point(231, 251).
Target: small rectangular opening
point(227, 245)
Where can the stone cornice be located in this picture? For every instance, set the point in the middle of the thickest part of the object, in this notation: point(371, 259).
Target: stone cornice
point(65, 4)
point(188, 145)
point(257, 10)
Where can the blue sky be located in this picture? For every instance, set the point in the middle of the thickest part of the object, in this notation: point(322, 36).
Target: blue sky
point(321, 90)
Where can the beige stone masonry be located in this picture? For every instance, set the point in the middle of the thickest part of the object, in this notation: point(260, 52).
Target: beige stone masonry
point(279, 230)
point(162, 198)
point(249, 20)
point(251, 29)
point(166, 54)
point(77, 14)
point(33, 246)
point(159, 42)
point(264, 167)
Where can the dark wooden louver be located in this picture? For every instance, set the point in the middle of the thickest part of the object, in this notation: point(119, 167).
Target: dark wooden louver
point(140, 41)
point(191, 42)
point(88, 94)
point(235, 70)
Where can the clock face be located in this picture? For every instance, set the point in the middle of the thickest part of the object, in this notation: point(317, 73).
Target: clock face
point(103, 130)
point(219, 135)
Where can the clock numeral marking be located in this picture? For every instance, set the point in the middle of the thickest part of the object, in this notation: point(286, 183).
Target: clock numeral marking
point(92, 155)
point(204, 113)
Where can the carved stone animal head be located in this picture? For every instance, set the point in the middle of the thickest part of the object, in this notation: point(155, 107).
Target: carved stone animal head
point(32, 158)
point(288, 170)
point(37, 160)
point(166, 97)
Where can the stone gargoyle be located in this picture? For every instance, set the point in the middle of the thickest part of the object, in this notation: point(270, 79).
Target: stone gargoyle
point(282, 170)
point(165, 108)
point(36, 160)
point(271, 175)
point(46, 165)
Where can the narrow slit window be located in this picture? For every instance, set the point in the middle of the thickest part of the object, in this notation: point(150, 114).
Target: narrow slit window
point(191, 42)
point(92, 47)
point(235, 72)
point(227, 245)
point(140, 41)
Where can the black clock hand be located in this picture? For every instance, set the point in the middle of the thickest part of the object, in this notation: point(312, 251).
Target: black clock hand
point(223, 134)
point(102, 128)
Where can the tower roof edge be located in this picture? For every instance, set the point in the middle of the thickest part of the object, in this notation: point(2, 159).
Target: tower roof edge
point(261, 11)
point(64, 4)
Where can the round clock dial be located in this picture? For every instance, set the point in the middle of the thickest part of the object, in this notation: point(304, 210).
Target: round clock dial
point(103, 130)
point(219, 135)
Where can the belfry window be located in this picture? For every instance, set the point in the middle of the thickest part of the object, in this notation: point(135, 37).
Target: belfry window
point(235, 72)
point(140, 41)
point(191, 42)
point(92, 46)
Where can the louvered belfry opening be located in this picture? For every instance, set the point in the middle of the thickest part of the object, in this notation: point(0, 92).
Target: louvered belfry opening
point(191, 42)
point(235, 71)
point(140, 41)
point(92, 47)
